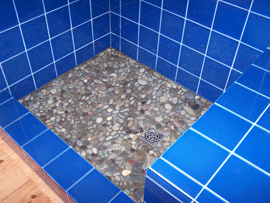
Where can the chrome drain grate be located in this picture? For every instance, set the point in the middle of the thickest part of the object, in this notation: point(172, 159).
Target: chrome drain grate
point(152, 136)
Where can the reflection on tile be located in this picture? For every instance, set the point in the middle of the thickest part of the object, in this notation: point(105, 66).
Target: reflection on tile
point(264, 120)
point(150, 16)
point(264, 60)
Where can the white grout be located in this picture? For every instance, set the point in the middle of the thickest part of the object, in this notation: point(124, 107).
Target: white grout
point(55, 157)
point(92, 26)
point(139, 27)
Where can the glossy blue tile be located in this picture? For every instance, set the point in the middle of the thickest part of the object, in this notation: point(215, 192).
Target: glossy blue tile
point(244, 4)
point(128, 49)
point(40, 56)
point(233, 77)
point(129, 30)
point(215, 73)
point(16, 68)
point(202, 11)
point(256, 31)
point(155, 2)
point(25, 129)
point(187, 80)
point(102, 44)
point(168, 49)
point(196, 36)
point(122, 198)
point(236, 96)
point(115, 42)
point(147, 58)
point(82, 35)
point(192, 152)
point(99, 7)
point(45, 147)
point(10, 43)
point(72, 167)
point(35, 32)
point(4, 95)
point(166, 69)
point(261, 7)
point(264, 120)
point(264, 60)
point(58, 21)
point(22, 88)
point(80, 12)
point(222, 48)
point(10, 110)
point(172, 26)
point(176, 178)
point(3, 84)
point(26, 11)
point(92, 187)
point(241, 182)
point(245, 57)
point(65, 64)
point(208, 197)
point(115, 6)
point(150, 16)
point(148, 39)
point(45, 75)
point(191, 61)
point(7, 15)
point(209, 92)
point(176, 6)
point(130, 9)
point(101, 26)
point(84, 53)
point(115, 24)
point(62, 45)
point(257, 80)
point(51, 5)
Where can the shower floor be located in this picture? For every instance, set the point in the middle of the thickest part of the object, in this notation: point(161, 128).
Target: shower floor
point(101, 107)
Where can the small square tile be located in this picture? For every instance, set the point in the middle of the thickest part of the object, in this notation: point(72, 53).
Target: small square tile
point(3, 84)
point(166, 69)
point(115, 42)
point(209, 92)
point(176, 6)
point(23, 88)
point(206, 196)
point(99, 7)
point(264, 120)
point(92, 187)
point(4, 95)
point(148, 39)
point(101, 26)
point(82, 35)
point(102, 44)
point(84, 53)
point(187, 80)
point(115, 6)
point(115, 24)
point(45, 75)
point(130, 9)
point(129, 30)
point(122, 198)
point(7, 15)
point(128, 49)
point(168, 50)
point(233, 77)
point(243, 4)
point(51, 5)
point(261, 7)
point(150, 16)
point(264, 60)
point(72, 167)
point(147, 58)
point(65, 64)
point(80, 12)
point(62, 45)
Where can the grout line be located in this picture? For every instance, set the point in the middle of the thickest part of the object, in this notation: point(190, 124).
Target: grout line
point(4, 75)
point(120, 24)
point(139, 23)
point(55, 157)
point(252, 90)
point(268, 71)
point(15, 120)
point(34, 138)
point(92, 26)
point(6, 101)
point(115, 196)
point(110, 21)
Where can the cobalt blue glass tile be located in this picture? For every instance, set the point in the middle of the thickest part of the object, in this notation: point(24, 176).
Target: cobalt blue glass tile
point(92, 187)
point(68, 168)
point(150, 16)
point(256, 31)
point(45, 75)
point(58, 21)
point(70, 1)
point(115, 42)
point(22, 88)
point(27, 10)
point(233, 77)
point(168, 49)
point(148, 39)
point(222, 126)
point(230, 20)
point(122, 198)
point(241, 182)
point(62, 45)
point(80, 12)
point(147, 58)
point(255, 148)
point(25, 129)
point(10, 43)
point(191, 61)
point(102, 44)
point(16, 68)
point(40, 56)
point(7, 15)
point(166, 69)
point(245, 57)
point(51, 5)
point(101, 26)
point(261, 7)
point(10, 111)
point(196, 36)
point(115, 24)
point(176, 6)
point(209, 92)
point(264, 60)
point(222, 48)
point(172, 26)
point(155, 2)
point(236, 96)
point(99, 7)
point(257, 80)
point(241, 3)
point(215, 73)
point(115, 6)
point(84, 53)
point(4, 95)
point(176, 178)
point(35, 31)
point(129, 30)
point(187, 80)
point(82, 35)
point(205, 156)
point(130, 9)
point(128, 49)
point(208, 197)
point(202, 11)
point(264, 120)
point(3, 84)
point(65, 64)
point(45, 147)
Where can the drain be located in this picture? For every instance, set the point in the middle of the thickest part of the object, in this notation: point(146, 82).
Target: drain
point(152, 136)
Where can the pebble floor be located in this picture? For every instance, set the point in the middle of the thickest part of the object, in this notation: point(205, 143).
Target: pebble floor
point(101, 107)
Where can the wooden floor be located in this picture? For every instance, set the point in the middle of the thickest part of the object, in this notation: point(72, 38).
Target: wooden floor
point(18, 183)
